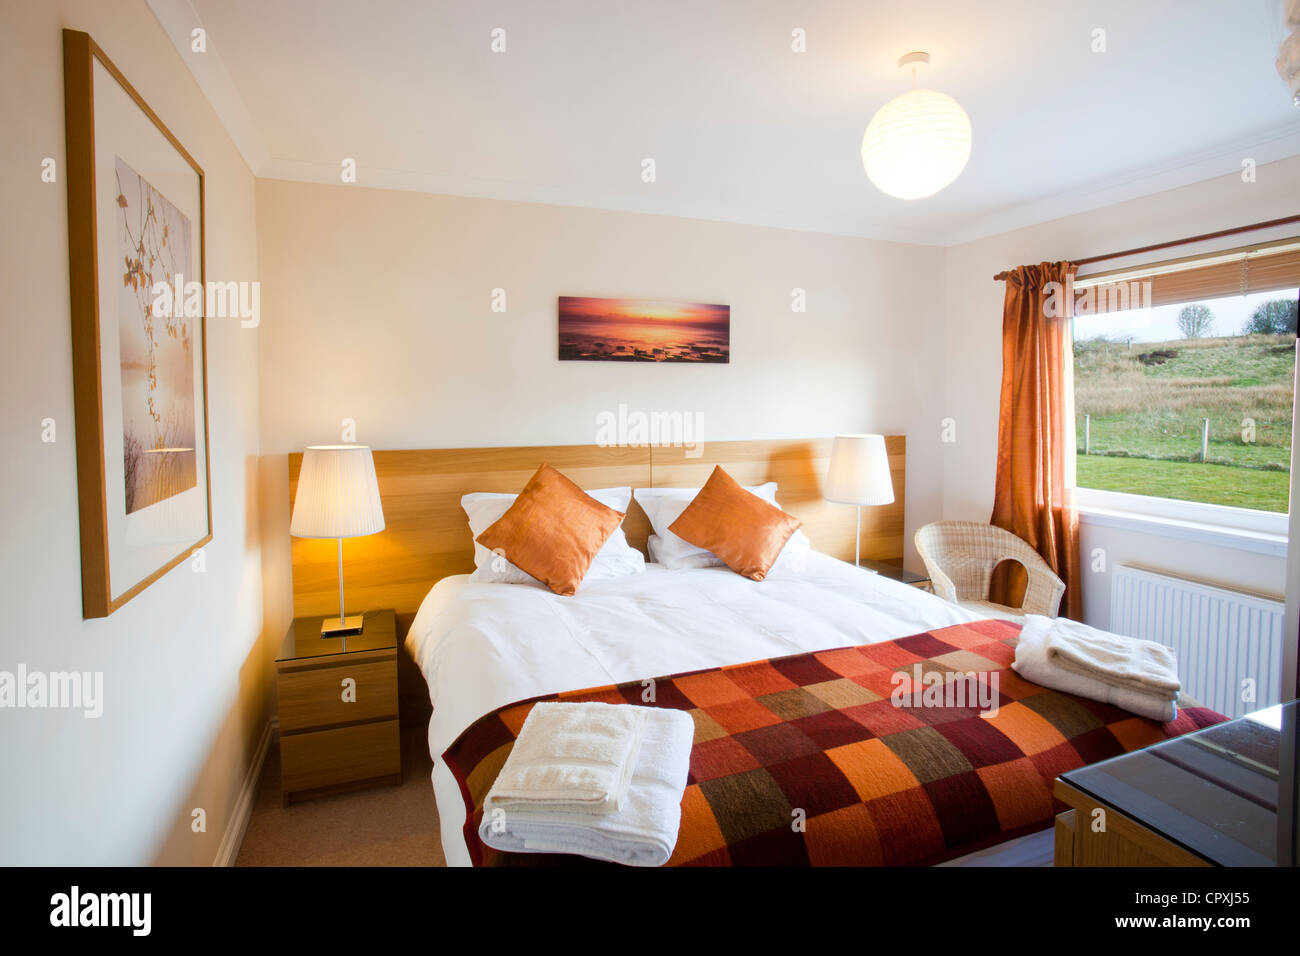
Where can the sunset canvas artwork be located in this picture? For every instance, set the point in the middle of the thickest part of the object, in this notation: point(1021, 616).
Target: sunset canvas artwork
point(643, 330)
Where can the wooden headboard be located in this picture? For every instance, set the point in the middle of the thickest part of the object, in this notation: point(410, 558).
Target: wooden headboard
point(427, 537)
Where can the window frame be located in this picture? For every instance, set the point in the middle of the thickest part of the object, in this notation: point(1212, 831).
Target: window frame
point(1194, 519)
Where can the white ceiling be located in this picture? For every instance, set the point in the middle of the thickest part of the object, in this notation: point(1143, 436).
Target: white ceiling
point(740, 127)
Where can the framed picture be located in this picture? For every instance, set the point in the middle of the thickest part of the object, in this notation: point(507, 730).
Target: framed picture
point(643, 330)
point(139, 336)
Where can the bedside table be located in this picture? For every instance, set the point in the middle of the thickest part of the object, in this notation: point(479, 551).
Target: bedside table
point(897, 573)
point(338, 708)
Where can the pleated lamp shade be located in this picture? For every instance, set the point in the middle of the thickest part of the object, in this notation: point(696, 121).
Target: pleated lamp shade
point(859, 471)
point(338, 494)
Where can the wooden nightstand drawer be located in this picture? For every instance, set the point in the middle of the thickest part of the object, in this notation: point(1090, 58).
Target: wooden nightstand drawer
point(323, 758)
point(335, 737)
point(314, 697)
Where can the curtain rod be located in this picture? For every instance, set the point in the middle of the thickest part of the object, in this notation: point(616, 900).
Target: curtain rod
point(1177, 242)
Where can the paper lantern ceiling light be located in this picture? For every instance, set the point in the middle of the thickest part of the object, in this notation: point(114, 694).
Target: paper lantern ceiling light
point(917, 143)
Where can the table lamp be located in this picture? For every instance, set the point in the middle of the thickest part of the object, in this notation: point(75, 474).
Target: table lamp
point(859, 475)
point(338, 497)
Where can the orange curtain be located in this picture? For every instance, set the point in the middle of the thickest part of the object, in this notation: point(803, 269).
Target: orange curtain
point(1034, 497)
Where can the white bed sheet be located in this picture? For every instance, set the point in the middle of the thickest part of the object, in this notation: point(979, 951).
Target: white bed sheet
point(482, 646)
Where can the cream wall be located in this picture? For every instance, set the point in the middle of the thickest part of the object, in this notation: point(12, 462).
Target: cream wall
point(973, 318)
point(377, 307)
point(185, 673)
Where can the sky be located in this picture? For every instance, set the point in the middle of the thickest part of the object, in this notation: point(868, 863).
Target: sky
point(1161, 323)
point(643, 310)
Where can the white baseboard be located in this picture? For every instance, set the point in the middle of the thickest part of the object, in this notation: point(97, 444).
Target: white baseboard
point(233, 838)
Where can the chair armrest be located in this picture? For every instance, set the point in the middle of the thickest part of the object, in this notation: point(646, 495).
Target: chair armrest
point(942, 584)
point(1043, 592)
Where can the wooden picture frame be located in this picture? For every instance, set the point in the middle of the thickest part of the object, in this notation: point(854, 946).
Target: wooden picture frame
point(144, 495)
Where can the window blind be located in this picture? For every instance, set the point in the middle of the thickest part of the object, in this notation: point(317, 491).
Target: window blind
point(1263, 268)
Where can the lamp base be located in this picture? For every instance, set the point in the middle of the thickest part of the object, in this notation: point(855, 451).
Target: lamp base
point(333, 627)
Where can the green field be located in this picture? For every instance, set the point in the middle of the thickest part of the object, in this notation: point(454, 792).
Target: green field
point(1147, 403)
point(1215, 484)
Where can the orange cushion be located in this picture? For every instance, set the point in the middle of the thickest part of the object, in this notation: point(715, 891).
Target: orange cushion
point(744, 531)
point(552, 531)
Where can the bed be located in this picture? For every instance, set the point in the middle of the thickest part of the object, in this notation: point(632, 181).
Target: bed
point(489, 650)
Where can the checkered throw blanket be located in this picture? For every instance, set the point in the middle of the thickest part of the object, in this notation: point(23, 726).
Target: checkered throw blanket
point(819, 759)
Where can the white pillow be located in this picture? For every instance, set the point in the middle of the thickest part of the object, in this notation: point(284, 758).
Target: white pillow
point(695, 559)
point(615, 557)
point(663, 506)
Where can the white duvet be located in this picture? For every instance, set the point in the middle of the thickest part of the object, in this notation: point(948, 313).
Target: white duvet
point(482, 646)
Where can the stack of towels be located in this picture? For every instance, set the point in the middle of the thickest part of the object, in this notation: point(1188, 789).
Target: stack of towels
point(604, 781)
point(1138, 676)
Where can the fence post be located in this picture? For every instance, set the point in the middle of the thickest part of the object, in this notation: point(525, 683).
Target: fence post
point(1087, 434)
point(1205, 439)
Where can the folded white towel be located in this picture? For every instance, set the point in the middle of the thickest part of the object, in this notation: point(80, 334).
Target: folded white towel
point(1033, 663)
point(571, 758)
point(1113, 659)
point(643, 832)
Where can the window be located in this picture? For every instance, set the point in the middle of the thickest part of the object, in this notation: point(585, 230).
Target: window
point(1184, 380)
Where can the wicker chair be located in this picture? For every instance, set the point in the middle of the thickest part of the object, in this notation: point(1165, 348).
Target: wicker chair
point(961, 556)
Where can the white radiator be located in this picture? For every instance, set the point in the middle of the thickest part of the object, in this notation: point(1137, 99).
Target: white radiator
point(1221, 637)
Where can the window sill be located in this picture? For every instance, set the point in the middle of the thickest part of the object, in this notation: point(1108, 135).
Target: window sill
point(1240, 539)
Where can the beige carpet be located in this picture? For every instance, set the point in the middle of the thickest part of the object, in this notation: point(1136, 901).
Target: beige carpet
point(383, 826)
